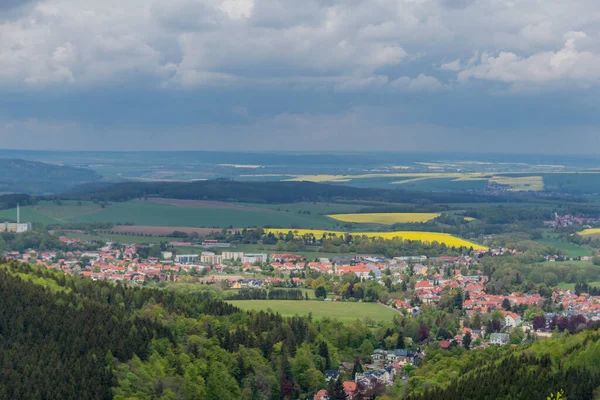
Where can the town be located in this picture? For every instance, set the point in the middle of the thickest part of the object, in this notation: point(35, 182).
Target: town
point(407, 284)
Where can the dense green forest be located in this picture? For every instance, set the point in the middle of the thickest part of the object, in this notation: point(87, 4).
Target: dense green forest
point(569, 364)
point(72, 338)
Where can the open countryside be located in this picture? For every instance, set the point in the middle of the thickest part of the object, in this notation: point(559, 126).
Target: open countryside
point(425, 237)
point(152, 213)
point(343, 311)
point(385, 218)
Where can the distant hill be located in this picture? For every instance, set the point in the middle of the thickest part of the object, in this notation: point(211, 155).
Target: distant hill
point(33, 177)
point(270, 192)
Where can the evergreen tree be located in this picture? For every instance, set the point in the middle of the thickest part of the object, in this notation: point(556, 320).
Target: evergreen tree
point(357, 369)
point(324, 352)
point(467, 340)
point(400, 342)
point(335, 390)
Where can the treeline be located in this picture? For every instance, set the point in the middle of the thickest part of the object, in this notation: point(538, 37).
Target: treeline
point(11, 200)
point(272, 294)
point(585, 288)
point(509, 215)
point(273, 192)
point(569, 364)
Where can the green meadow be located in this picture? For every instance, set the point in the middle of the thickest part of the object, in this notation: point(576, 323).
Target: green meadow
point(344, 311)
point(572, 249)
point(142, 212)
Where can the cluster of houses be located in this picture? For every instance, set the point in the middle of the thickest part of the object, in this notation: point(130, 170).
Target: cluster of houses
point(582, 304)
point(570, 220)
point(385, 367)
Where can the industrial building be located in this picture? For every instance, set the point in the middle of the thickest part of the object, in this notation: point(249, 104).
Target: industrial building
point(17, 227)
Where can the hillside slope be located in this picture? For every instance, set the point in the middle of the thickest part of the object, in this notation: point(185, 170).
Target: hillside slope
point(32, 177)
point(570, 364)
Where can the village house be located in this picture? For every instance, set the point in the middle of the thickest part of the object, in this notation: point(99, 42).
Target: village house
point(499, 339)
point(512, 320)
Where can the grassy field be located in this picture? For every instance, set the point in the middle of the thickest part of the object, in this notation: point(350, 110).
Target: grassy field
point(313, 208)
point(572, 249)
point(141, 212)
point(345, 312)
point(385, 218)
point(426, 237)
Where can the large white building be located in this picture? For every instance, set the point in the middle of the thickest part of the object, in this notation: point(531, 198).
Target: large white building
point(14, 227)
point(233, 255)
point(208, 257)
point(254, 258)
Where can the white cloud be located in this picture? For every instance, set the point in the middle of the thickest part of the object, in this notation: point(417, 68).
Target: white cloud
point(567, 64)
point(202, 42)
point(451, 66)
point(421, 83)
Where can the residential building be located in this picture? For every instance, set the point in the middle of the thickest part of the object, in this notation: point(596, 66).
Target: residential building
point(499, 339)
point(187, 258)
point(512, 320)
point(232, 255)
point(254, 258)
point(208, 257)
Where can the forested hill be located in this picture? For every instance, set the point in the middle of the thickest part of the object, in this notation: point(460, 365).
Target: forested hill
point(270, 192)
point(570, 365)
point(72, 338)
point(32, 177)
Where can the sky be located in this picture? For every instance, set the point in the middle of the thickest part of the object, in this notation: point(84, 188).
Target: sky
point(514, 76)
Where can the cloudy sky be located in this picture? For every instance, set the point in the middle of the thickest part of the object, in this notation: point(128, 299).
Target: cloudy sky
point(429, 75)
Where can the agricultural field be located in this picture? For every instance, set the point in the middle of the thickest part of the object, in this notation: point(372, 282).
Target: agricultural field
point(590, 232)
point(172, 213)
point(425, 237)
point(519, 183)
point(314, 208)
point(436, 179)
point(572, 249)
point(385, 218)
point(345, 312)
point(28, 214)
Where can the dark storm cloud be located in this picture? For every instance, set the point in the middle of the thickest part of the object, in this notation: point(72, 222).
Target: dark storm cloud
point(283, 74)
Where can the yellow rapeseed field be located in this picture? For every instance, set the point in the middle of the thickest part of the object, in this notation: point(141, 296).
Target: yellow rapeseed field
point(591, 231)
point(425, 237)
point(385, 218)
